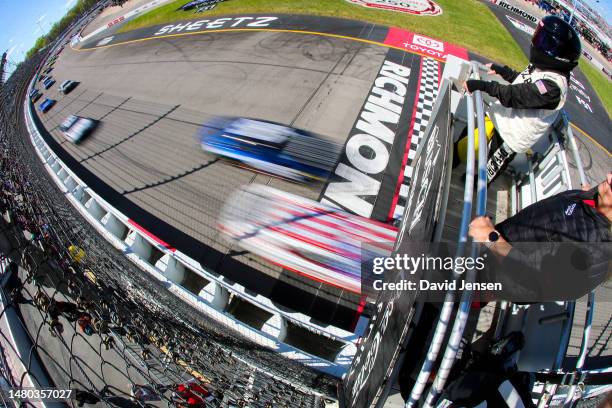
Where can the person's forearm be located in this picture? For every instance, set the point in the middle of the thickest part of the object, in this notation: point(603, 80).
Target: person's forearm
point(501, 248)
point(505, 72)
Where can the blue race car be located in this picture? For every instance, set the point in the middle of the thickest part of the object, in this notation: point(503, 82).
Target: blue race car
point(272, 148)
point(46, 105)
point(35, 95)
point(48, 83)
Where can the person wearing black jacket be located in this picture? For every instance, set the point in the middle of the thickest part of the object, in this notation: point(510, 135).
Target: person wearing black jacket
point(572, 216)
point(527, 107)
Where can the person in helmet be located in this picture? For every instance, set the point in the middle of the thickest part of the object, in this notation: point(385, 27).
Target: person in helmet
point(526, 108)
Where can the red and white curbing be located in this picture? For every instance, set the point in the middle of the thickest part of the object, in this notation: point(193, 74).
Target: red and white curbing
point(139, 246)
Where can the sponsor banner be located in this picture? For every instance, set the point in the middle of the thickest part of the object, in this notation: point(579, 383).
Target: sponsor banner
point(516, 10)
point(368, 153)
point(428, 174)
point(216, 24)
point(423, 45)
point(416, 7)
point(521, 26)
point(115, 21)
point(377, 355)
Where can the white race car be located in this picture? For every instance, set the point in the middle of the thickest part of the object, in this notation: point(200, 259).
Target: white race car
point(304, 236)
point(67, 86)
point(76, 128)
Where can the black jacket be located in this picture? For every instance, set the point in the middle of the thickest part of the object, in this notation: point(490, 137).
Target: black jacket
point(518, 96)
point(564, 217)
point(561, 250)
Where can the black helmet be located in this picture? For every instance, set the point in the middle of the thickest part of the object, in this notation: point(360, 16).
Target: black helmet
point(555, 45)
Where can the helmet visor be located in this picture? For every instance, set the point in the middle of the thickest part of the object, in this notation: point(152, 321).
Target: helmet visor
point(545, 41)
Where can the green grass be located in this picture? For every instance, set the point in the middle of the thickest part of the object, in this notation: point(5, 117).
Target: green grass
point(599, 82)
point(467, 23)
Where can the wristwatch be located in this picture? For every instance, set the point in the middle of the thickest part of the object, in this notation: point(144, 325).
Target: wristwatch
point(493, 237)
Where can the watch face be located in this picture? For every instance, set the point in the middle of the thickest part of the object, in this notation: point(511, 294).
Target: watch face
point(493, 236)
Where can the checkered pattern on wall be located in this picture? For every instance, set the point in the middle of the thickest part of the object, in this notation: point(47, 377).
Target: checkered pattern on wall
point(428, 91)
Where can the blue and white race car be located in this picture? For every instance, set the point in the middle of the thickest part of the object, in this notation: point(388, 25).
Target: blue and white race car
point(77, 128)
point(46, 105)
point(272, 148)
point(48, 83)
point(35, 95)
point(67, 86)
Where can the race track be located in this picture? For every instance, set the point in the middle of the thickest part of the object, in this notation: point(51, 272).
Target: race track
point(151, 98)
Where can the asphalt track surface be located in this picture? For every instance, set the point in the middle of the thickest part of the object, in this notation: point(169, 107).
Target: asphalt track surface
point(152, 97)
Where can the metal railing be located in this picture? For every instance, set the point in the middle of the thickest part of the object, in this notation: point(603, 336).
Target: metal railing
point(578, 376)
point(466, 298)
point(449, 302)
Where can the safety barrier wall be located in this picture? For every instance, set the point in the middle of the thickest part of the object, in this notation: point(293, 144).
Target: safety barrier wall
point(170, 266)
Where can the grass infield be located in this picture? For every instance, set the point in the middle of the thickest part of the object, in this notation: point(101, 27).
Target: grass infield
point(467, 23)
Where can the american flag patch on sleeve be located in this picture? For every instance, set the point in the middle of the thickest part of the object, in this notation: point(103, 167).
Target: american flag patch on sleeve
point(541, 87)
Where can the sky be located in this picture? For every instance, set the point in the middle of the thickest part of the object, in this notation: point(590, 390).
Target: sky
point(23, 21)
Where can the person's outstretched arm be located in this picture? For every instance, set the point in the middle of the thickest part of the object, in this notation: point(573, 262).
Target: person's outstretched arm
point(542, 94)
point(504, 71)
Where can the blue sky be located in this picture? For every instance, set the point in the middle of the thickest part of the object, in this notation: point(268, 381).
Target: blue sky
point(21, 22)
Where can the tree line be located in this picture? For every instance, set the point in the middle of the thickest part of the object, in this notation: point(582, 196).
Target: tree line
point(58, 27)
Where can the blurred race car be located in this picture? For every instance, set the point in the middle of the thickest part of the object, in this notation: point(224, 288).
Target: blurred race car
point(76, 128)
point(46, 105)
point(48, 83)
point(67, 86)
point(272, 148)
point(304, 236)
point(35, 95)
